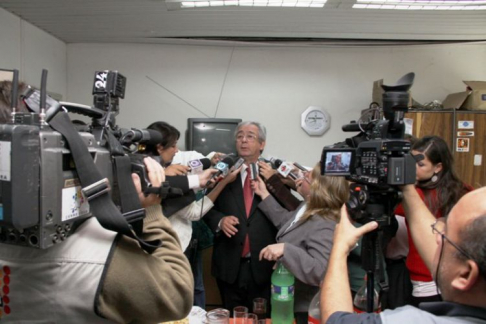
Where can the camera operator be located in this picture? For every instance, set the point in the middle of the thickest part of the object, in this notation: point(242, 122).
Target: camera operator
point(97, 276)
point(454, 250)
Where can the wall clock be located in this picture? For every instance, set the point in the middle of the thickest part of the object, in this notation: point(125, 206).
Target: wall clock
point(315, 121)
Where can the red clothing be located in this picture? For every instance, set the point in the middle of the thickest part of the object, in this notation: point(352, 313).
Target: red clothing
point(416, 266)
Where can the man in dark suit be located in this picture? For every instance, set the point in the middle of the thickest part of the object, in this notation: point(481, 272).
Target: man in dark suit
point(241, 230)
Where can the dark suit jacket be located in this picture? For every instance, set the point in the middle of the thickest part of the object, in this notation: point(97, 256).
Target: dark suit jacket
point(227, 251)
point(174, 204)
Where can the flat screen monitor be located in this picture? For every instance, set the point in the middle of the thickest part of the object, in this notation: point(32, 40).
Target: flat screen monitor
point(206, 135)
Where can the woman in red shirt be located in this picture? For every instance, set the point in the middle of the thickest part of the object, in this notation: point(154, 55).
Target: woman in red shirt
point(440, 188)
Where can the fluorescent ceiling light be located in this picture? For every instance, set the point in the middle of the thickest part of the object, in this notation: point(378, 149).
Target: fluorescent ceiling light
point(421, 4)
point(189, 4)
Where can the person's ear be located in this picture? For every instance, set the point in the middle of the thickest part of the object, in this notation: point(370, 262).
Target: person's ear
point(160, 148)
point(466, 277)
point(438, 168)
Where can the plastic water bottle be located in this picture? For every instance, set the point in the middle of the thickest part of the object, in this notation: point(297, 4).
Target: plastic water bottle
point(360, 300)
point(282, 295)
point(315, 309)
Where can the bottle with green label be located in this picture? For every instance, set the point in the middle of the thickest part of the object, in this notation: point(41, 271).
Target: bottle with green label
point(282, 295)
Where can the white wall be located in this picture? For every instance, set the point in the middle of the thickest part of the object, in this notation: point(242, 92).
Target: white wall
point(29, 49)
point(268, 84)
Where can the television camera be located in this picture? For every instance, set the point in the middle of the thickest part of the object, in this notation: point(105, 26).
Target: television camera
point(377, 161)
point(52, 176)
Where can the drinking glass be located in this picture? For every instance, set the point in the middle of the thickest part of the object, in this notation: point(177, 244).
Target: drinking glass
point(260, 307)
point(218, 316)
point(240, 314)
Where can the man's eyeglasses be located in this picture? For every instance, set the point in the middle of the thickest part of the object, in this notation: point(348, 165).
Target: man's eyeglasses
point(248, 137)
point(439, 228)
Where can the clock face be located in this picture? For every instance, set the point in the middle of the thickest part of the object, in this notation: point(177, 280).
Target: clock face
point(315, 121)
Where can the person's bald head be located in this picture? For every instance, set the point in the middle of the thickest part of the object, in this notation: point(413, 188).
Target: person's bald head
point(467, 222)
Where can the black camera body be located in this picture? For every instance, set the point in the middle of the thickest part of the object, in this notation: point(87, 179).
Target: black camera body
point(381, 163)
point(377, 160)
point(41, 197)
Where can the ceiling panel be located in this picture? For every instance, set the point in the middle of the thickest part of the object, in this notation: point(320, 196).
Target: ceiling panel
point(149, 21)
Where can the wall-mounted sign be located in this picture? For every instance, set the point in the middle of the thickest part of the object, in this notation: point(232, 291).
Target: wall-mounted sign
point(462, 145)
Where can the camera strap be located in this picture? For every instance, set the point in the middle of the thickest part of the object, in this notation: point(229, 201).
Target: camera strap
point(102, 205)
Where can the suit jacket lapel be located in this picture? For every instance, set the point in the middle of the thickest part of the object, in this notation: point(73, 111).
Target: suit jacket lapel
point(237, 192)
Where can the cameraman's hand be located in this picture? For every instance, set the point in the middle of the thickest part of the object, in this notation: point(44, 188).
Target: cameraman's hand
point(205, 176)
point(266, 170)
point(156, 176)
point(176, 169)
point(346, 235)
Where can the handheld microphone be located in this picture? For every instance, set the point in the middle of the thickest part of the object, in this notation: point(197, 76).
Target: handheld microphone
point(146, 136)
point(253, 171)
point(238, 164)
point(284, 169)
point(222, 167)
point(299, 166)
point(275, 163)
point(197, 166)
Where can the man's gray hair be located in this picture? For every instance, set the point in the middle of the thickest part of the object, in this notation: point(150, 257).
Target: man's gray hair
point(262, 131)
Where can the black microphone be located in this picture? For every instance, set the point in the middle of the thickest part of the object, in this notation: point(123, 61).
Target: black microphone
point(299, 166)
point(146, 136)
point(275, 163)
point(197, 166)
point(223, 167)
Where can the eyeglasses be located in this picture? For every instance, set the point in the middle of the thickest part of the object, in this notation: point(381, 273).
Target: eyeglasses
point(439, 228)
point(248, 137)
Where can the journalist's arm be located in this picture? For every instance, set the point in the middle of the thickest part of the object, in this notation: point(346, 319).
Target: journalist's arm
point(336, 302)
point(142, 287)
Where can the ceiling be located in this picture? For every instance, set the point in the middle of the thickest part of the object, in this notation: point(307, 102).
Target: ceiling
point(150, 21)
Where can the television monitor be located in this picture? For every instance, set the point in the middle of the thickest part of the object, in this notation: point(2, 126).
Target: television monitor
point(206, 135)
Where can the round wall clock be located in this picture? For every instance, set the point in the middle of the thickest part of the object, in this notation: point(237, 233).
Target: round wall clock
point(315, 121)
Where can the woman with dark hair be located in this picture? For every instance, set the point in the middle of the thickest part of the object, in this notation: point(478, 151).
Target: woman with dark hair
point(168, 147)
point(304, 239)
point(440, 188)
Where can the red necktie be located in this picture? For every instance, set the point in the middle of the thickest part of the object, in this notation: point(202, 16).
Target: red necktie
point(248, 197)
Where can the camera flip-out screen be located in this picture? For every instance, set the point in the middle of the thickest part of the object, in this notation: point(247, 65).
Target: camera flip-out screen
point(337, 162)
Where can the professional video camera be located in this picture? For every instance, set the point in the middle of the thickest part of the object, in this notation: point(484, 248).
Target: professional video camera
point(52, 176)
point(377, 160)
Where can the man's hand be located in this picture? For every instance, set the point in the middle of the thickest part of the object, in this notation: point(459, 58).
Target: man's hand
point(156, 176)
point(176, 169)
point(272, 252)
point(259, 188)
point(346, 235)
point(205, 176)
point(266, 170)
point(228, 225)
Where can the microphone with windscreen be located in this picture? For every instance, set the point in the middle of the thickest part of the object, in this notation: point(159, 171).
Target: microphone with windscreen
point(223, 167)
point(197, 166)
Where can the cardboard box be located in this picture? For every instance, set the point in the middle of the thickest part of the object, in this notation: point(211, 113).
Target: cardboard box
point(474, 98)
